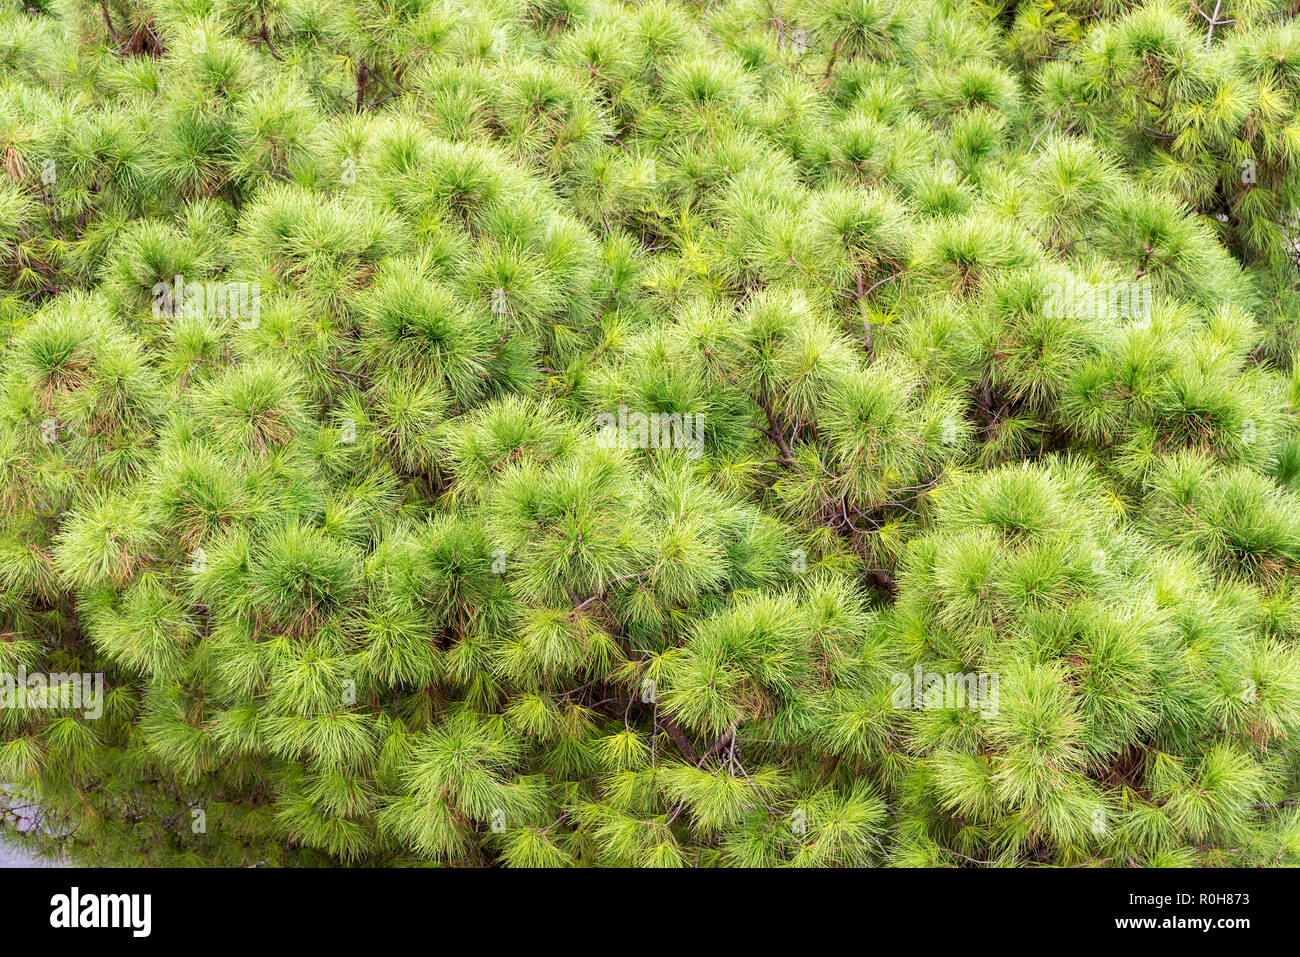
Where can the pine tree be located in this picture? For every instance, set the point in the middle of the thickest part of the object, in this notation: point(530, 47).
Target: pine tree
point(584, 432)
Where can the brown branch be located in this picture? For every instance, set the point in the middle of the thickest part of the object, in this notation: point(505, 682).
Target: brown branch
point(266, 38)
point(112, 31)
point(679, 738)
point(728, 737)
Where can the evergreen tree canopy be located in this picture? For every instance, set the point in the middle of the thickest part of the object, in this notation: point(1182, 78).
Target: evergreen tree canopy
point(652, 432)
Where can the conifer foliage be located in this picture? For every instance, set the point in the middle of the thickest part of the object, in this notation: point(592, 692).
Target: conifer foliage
point(652, 433)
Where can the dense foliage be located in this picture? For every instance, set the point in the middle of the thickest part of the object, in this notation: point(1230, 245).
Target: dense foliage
point(369, 584)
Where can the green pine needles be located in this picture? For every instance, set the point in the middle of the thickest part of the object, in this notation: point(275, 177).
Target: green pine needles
point(753, 433)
